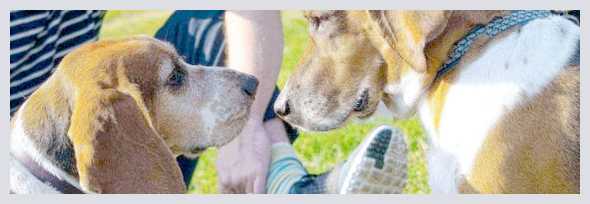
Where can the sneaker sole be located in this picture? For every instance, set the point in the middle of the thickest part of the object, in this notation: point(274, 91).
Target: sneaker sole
point(380, 166)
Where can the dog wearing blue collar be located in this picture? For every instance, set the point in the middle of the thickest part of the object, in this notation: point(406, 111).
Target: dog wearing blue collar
point(497, 92)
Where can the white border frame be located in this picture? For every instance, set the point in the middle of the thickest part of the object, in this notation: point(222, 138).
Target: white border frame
point(290, 5)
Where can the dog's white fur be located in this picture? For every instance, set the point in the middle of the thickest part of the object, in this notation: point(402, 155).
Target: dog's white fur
point(405, 94)
point(505, 75)
point(21, 179)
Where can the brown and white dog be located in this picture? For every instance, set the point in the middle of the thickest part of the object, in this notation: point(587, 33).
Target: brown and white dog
point(114, 115)
point(505, 120)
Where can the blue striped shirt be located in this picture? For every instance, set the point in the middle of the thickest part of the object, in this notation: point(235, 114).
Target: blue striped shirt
point(39, 40)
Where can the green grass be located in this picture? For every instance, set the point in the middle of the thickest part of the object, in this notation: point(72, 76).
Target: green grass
point(120, 24)
point(319, 152)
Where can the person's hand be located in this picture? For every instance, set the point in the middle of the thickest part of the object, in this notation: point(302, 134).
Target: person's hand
point(242, 164)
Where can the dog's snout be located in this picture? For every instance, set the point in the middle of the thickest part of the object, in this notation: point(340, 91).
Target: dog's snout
point(249, 84)
point(283, 109)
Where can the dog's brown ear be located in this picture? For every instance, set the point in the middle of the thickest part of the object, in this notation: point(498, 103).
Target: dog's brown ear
point(406, 33)
point(117, 150)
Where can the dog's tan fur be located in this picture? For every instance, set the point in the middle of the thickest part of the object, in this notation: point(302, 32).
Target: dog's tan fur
point(108, 118)
point(535, 148)
point(532, 149)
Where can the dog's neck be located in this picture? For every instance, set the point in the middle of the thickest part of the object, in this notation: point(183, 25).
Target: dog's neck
point(39, 130)
point(459, 24)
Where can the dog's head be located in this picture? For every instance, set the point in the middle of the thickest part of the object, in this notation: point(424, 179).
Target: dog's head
point(135, 104)
point(191, 107)
point(357, 59)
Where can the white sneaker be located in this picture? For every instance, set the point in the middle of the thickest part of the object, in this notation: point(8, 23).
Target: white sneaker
point(378, 165)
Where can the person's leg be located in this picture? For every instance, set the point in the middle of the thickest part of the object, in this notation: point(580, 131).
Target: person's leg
point(378, 165)
point(288, 176)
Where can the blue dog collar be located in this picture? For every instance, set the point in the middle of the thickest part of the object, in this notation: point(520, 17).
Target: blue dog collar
point(497, 25)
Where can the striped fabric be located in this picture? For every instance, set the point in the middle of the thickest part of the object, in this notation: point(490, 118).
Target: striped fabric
point(285, 169)
point(39, 40)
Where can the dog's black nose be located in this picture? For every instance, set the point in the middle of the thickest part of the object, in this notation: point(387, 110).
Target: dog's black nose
point(283, 109)
point(249, 84)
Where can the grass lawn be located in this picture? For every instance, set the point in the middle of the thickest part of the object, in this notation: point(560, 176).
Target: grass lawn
point(319, 152)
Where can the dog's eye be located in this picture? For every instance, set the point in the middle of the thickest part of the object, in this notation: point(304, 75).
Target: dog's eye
point(176, 78)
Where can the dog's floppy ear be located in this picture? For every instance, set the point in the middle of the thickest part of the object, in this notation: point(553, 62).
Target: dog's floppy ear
point(406, 33)
point(117, 150)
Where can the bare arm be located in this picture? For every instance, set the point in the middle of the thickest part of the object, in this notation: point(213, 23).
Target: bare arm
point(255, 46)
